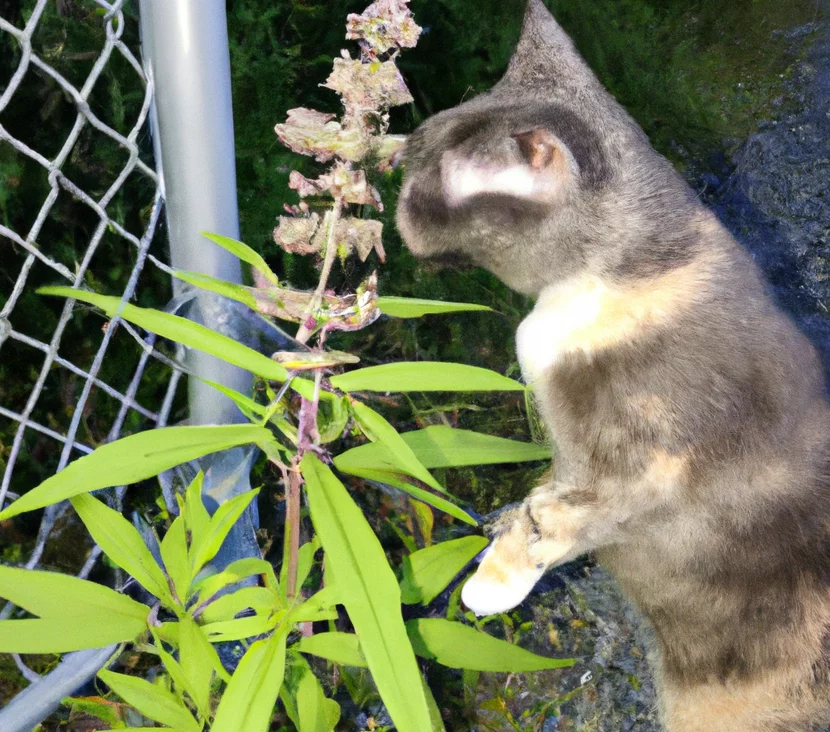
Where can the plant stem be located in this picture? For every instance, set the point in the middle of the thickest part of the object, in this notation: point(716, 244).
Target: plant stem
point(306, 426)
point(292, 526)
point(304, 332)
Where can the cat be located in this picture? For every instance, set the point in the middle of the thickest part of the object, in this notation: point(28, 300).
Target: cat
point(691, 426)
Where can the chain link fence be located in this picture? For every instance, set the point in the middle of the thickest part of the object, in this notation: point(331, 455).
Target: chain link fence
point(81, 197)
point(68, 384)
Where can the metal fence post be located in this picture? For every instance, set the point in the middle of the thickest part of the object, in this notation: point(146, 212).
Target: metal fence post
point(185, 51)
point(186, 57)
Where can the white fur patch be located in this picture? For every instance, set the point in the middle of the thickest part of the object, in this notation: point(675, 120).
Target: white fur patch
point(463, 179)
point(562, 312)
point(484, 596)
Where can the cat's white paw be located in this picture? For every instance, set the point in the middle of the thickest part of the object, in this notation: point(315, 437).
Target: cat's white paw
point(486, 593)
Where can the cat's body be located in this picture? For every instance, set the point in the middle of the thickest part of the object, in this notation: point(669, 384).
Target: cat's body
point(689, 414)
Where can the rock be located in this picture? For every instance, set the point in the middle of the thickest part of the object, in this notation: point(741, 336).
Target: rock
point(576, 611)
point(776, 200)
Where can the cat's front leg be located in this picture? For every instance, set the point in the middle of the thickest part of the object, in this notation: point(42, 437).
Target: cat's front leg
point(554, 525)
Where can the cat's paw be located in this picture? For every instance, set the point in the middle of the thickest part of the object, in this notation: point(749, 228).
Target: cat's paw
point(501, 582)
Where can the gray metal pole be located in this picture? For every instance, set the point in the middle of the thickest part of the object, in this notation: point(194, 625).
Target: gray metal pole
point(185, 51)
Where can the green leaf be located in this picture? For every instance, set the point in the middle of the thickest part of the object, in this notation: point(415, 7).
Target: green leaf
point(226, 607)
point(434, 712)
point(370, 593)
point(231, 290)
point(332, 418)
point(424, 376)
point(208, 586)
point(315, 712)
point(305, 561)
point(428, 571)
point(399, 481)
point(460, 646)
point(238, 629)
point(220, 524)
point(403, 457)
point(135, 458)
point(196, 657)
point(245, 253)
point(181, 330)
point(151, 700)
point(196, 516)
point(54, 595)
point(320, 606)
point(174, 555)
point(70, 633)
point(412, 307)
point(104, 710)
point(246, 405)
point(171, 665)
point(338, 647)
point(440, 446)
point(123, 544)
point(249, 699)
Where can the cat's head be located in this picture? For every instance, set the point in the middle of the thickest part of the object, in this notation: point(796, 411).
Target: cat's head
point(531, 175)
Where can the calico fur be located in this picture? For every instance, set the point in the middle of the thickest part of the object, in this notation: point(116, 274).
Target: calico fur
point(689, 413)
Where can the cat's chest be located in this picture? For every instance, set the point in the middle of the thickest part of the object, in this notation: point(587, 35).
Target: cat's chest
point(566, 319)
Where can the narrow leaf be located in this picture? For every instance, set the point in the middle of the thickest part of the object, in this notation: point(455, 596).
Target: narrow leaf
point(227, 607)
point(245, 253)
point(70, 633)
point(171, 665)
point(208, 586)
point(134, 458)
point(320, 606)
point(460, 646)
point(388, 436)
point(238, 629)
point(123, 544)
point(181, 330)
point(196, 660)
point(174, 555)
point(338, 647)
point(434, 712)
point(220, 524)
point(196, 516)
point(399, 481)
point(305, 561)
point(412, 307)
point(314, 710)
point(370, 594)
point(246, 405)
point(151, 700)
point(231, 290)
point(424, 376)
point(428, 571)
point(51, 594)
point(249, 698)
point(440, 446)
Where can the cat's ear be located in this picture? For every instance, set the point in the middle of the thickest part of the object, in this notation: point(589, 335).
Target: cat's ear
point(533, 166)
point(546, 58)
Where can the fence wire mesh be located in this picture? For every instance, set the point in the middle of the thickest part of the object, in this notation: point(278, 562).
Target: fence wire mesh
point(80, 203)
